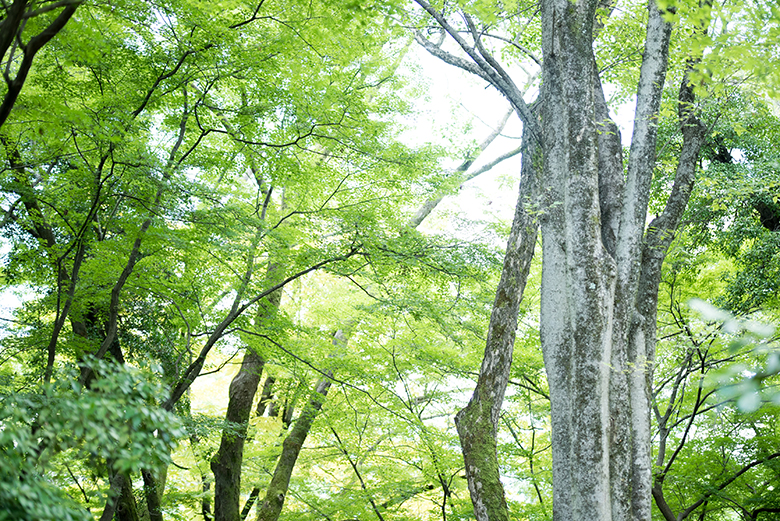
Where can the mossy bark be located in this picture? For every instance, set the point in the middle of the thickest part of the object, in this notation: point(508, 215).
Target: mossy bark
point(478, 421)
point(600, 270)
point(271, 507)
point(228, 460)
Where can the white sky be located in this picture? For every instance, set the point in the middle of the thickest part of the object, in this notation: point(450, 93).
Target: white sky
point(455, 97)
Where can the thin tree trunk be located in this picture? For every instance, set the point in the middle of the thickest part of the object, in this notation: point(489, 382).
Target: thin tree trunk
point(428, 206)
point(250, 502)
point(478, 421)
point(11, 29)
point(271, 507)
point(266, 395)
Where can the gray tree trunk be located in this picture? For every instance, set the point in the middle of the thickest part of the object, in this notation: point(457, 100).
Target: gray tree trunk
point(600, 270)
point(599, 284)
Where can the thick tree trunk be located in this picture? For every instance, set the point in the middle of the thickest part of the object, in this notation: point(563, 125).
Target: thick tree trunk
point(578, 274)
point(228, 460)
point(127, 508)
point(600, 271)
point(599, 284)
point(120, 501)
point(227, 463)
point(271, 507)
point(478, 421)
point(152, 493)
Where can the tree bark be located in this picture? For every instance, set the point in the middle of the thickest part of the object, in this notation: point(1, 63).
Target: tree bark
point(578, 275)
point(600, 271)
point(595, 316)
point(152, 495)
point(478, 421)
point(227, 462)
point(127, 508)
point(118, 503)
point(271, 507)
point(266, 395)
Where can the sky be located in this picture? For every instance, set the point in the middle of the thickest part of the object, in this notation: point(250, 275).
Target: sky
point(459, 104)
point(456, 110)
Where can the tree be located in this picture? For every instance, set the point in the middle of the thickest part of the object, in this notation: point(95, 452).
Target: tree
point(601, 266)
point(715, 425)
point(201, 205)
point(160, 191)
point(21, 20)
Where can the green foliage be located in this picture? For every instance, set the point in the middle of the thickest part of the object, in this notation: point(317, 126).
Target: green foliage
point(738, 381)
point(732, 209)
point(116, 420)
point(221, 149)
point(210, 150)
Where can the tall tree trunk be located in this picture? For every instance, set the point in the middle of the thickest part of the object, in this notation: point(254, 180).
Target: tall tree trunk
point(578, 274)
point(599, 283)
point(227, 462)
point(478, 421)
point(600, 271)
point(271, 507)
point(120, 501)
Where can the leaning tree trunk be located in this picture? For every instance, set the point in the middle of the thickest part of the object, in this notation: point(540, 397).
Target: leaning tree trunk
point(271, 507)
point(478, 421)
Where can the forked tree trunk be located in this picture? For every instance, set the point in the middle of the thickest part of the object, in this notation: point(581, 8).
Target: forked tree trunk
point(600, 271)
point(228, 460)
point(599, 294)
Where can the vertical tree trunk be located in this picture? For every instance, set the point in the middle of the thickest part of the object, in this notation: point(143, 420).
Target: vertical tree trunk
point(120, 501)
point(266, 395)
point(227, 462)
point(271, 507)
point(152, 495)
point(599, 284)
point(127, 508)
point(578, 274)
point(599, 281)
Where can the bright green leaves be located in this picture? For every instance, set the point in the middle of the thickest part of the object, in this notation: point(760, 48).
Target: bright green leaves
point(744, 381)
point(116, 420)
point(733, 203)
point(223, 138)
